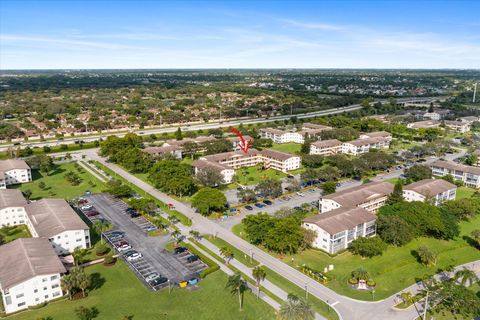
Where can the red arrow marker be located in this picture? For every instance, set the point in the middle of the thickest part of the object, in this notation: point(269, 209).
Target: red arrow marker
point(244, 146)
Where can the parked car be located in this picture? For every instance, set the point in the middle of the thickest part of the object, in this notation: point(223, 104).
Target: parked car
point(268, 202)
point(249, 208)
point(132, 255)
point(134, 214)
point(301, 194)
point(86, 207)
point(285, 198)
point(152, 276)
point(259, 205)
point(123, 246)
point(179, 250)
point(158, 281)
point(92, 213)
point(192, 258)
point(151, 228)
point(116, 235)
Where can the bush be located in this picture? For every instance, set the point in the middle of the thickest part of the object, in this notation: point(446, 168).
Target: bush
point(109, 260)
point(101, 249)
point(353, 281)
point(371, 283)
point(368, 247)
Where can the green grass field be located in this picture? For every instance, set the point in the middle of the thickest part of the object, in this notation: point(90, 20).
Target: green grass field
point(464, 192)
point(58, 187)
point(253, 175)
point(120, 293)
point(12, 233)
point(287, 147)
point(237, 254)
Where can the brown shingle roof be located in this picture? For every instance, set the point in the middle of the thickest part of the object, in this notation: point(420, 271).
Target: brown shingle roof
point(327, 143)
point(12, 198)
point(50, 217)
point(384, 134)
point(341, 219)
point(430, 187)
point(357, 195)
point(272, 130)
point(367, 141)
point(232, 154)
point(277, 155)
point(161, 150)
point(26, 258)
point(10, 164)
point(309, 125)
point(456, 166)
point(203, 164)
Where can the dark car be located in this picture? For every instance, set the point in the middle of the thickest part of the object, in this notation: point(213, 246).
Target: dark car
point(180, 250)
point(248, 207)
point(91, 213)
point(116, 235)
point(259, 205)
point(268, 202)
point(192, 258)
point(134, 214)
point(290, 176)
point(158, 281)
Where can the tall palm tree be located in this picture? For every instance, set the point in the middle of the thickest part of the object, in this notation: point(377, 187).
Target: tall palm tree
point(259, 275)
point(227, 253)
point(67, 283)
point(466, 277)
point(176, 235)
point(101, 226)
point(238, 286)
point(296, 309)
point(78, 255)
point(408, 297)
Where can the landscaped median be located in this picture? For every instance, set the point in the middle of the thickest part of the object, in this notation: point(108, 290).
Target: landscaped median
point(181, 217)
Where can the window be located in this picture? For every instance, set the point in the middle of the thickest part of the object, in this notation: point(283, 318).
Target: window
point(45, 288)
point(46, 296)
point(53, 278)
point(56, 294)
point(19, 295)
point(21, 304)
point(44, 280)
point(8, 300)
point(35, 291)
point(55, 286)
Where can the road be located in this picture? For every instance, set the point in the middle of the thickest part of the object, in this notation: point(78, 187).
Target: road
point(346, 307)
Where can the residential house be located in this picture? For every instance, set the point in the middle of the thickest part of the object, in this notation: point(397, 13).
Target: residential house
point(436, 191)
point(159, 152)
point(280, 136)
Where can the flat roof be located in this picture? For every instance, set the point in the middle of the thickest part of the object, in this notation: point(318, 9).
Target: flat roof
point(341, 219)
point(26, 258)
point(53, 216)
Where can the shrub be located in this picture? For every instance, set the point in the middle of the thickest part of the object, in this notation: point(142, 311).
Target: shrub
point(371, 283)
point(353, 281)
point(368, 247)
point(109, 260)
point(101, 249)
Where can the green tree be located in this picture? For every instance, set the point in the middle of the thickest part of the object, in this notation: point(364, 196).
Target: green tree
point(238, 286)
point(368, 247)
point(329, 187)
point(360, 274)
point(296, 309)
point(393, 230)
point(178, 134)
point(462, 209)
point(397, 194)
point(257, 226)
point(226, 253)
point(269, 188)
point(208, 199)
point(210, 177)
point(426, 256)
point(476, 236)
point(172, 176)
point(418, 172)
point(285, 236)
point(259, 274)
point(68, 284)
point(84, 313)
point(466, 277)
point(246, 195)
point(101, 226)
point(79, 255)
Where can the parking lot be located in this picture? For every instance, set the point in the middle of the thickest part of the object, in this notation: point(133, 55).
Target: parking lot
point(154, 258)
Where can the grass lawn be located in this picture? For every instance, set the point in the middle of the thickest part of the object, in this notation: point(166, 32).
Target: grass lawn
point(120, 293)
point(287, 147)
point(396, 269)
point(253, 175)
point(57, 186)
point(14, 233)
point(237, 254)
point(464, 192)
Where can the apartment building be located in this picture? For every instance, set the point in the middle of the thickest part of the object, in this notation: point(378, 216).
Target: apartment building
point(30, 272)
point(360, 146)
point(369, 196)
point(458, 126)
point(435, 191)
point(237, 142)
point(228, 161)
point(424, 124)
point(377, 134)
point(470, 175)
point(326, 147)
point(336, 229)
point(14, 171)
point(12, 208)
point(159, 152)
point(469, 119)
point(280, 136)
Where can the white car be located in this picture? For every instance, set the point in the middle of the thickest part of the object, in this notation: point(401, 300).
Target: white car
point(86, 207)
point(123, 246)
point(152, 276)
point(133, 255)
point(301, 194)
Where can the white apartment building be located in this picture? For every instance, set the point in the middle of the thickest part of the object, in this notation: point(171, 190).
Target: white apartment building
point(14, 171)
point(237, 142)
point(369, 196)
point(360, 146)
point(30, 272)
point(424, 124)
point(12, 208)
point(55, 220)
point(336, 229)
point(436, 191)
point(468, 174)
point(458, 126)
point(175, 151)
point(228, 162)
point(280, 136)
point(377, 134)
point(326, 147)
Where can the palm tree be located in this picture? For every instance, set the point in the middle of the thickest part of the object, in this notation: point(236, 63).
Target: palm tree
point(407, 297)
point(101, 226)
point(259, 275)
point(296, 309)
point(176, 235)
point(67, 283)
point(466, 277)
point(227, 253)
point(78, 255)
point(195, 234)
point(238, 286)
point(360, 274)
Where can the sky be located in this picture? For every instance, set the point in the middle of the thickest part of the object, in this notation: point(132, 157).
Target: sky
point(239, 34)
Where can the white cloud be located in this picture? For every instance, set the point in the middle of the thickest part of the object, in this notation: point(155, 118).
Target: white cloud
point(313, 25)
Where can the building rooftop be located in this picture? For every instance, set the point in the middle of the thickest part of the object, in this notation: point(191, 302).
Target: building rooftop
point(309, 125)
point(237, 139)
point(341, 219)
point(12, 198)
point(11, 164)
point(231, 154)
point(367, 141)
point(272, 131)
point(424, 124)
point(352, 197)
point(50, 217)
point(383, 134)
point(277, 155)
point(456, 166)
point(327, 143)
point(161, 150)
point(203, 164)
point(430, 187)
point(26, 258)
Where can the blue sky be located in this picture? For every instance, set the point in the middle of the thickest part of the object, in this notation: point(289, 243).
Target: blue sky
point(243, 34)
